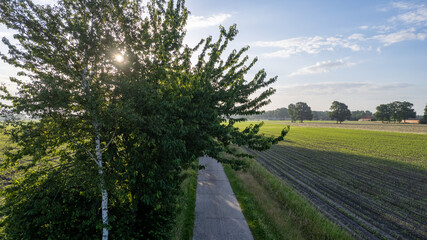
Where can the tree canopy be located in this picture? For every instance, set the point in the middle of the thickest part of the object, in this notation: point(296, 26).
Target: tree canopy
point(300, 111)
point(111, 139)
point(339, 111)
point(395, 111)
point(278, 114)
point(358, 114)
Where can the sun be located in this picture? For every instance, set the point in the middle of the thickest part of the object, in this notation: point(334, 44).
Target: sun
point(119, 58)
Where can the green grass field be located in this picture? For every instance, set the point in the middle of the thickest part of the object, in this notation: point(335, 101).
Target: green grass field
point(370, 182)
point(371, 126)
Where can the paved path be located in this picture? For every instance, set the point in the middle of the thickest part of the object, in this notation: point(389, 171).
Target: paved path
point(218, 214)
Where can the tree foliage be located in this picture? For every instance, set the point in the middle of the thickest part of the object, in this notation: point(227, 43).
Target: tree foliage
point(117, 133)
point(358, 114)
point(277, 114)
point(292, 112)
point(424, 120)
point(300, 111)
point(339, 111)
point(395, 111)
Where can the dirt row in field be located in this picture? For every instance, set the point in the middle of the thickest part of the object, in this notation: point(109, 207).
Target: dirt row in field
point(369, 197)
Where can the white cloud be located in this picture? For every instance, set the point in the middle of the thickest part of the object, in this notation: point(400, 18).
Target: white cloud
point(197, 22)
point(382, 28)
point(405, 5)
point(364, 27)
point(322, 67)
point(357, 36)
point(400, 36)
point(310, 45)
point(415, 13)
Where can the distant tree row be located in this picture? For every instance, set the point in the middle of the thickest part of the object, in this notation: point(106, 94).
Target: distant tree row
point(300, 111)
point(278, 114)
point(395, 111)
point(356, 115)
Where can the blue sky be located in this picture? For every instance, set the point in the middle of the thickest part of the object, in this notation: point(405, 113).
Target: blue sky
point(363, 53)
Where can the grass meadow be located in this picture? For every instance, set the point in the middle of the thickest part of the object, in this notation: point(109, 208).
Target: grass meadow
point(371, 183)
point(368, 125)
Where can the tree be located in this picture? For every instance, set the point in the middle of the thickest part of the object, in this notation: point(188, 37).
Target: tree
point(321, 115)
point(356, 115)
point(304, 111)
point(300, 111)
point(406, 111)
point(280, 114)
point(396, 111)
point(113, 137)
point(292, 111)
point(383, 113)
point(424, 120)
point(339, 111)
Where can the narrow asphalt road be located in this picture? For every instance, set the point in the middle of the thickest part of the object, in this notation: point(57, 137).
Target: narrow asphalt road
point(218, 214)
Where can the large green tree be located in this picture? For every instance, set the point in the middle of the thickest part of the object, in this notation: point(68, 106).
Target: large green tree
point(304, 111)
point(339, 111)
point(424, 120)
point(383, 113)
point(120, 111)
point(405, 111)
point(292, 111)
point(300, 111)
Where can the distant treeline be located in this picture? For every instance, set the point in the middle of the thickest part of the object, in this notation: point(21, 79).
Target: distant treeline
point(282, 114)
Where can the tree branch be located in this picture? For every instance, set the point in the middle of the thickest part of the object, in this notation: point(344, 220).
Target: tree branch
point(87, 151)
point(108, 144)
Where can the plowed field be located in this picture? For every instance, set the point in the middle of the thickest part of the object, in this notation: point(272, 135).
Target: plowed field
point(374, 184)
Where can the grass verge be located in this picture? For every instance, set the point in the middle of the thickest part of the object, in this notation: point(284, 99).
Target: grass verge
point(274, 211)
point(183, 229)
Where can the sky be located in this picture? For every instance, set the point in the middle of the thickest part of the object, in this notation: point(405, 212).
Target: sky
point(362, 53)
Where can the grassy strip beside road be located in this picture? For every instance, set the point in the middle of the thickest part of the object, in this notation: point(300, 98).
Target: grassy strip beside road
point(183, 229)
point(274, 211)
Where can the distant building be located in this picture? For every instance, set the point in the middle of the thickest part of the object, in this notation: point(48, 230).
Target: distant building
point(366, 118)
point(416, 121)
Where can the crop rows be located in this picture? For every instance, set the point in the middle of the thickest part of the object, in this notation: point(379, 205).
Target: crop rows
point(370, 197)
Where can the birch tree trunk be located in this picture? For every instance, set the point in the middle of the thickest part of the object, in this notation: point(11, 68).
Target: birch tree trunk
point(104, 194)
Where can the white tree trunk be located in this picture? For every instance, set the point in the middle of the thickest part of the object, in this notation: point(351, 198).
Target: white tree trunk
point(104, 194)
